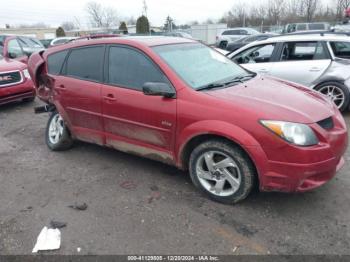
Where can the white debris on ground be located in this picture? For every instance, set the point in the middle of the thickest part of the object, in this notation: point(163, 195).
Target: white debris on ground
point(48, 239)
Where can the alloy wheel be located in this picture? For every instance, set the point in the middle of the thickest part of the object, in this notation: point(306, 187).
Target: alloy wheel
point(56, 129)
point(334, 93)
point(218, 173)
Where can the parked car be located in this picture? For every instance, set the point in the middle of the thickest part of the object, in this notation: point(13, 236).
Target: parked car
point(180, 102)
point(342, 28)
point(230, 35)
point(61, 40)
point(15, 82)
point(179, 34)
point(233, 46)
point(46, 42)
point(19, 47)
point(320, 62)
point(298, 27)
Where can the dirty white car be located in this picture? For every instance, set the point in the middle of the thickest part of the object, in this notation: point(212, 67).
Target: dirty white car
point(319, 61)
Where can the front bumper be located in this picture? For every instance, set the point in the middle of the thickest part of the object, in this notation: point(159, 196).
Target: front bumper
point(17, 92)
point(286, 177)
point(298, 169)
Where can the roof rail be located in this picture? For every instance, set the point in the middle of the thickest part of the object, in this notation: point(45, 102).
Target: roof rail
point(89, 37)
point(320, 32)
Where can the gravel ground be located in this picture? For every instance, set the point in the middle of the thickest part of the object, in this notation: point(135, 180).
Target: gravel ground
point(138, 206)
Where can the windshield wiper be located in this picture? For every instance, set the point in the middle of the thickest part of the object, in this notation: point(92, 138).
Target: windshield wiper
point(237, 79)
point(210, 86)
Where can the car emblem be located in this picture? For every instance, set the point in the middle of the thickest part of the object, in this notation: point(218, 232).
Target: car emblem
point(5, 78)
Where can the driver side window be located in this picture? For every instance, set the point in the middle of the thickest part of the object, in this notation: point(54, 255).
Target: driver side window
point(256, 54)
point(14, 49)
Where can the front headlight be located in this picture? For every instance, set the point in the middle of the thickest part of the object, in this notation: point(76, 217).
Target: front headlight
point(26, 73)
point(295, 133)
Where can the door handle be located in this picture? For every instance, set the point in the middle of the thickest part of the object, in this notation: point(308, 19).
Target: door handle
point(315, 69)
point(263, 71)
point(61, 87)
point(110, 97)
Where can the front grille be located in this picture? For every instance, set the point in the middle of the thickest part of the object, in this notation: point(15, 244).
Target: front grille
point(10, 78)
point(327, 123)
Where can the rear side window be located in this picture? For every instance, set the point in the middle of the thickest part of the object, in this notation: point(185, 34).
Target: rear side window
point(341, 49)
point(55, 62)
point(130, 68)
point(301, 51)
point(301, 27)
point(86, 63)
point(317, 27)
point(232, 32)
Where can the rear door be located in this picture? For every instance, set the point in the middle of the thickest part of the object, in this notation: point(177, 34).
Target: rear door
point(78, 92)
point(258, 58)
point(134, 122)
point(302, 62)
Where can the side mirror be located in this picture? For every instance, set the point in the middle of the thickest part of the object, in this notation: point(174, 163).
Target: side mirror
point(12, 55)
point(158, 89)
point(255, 54)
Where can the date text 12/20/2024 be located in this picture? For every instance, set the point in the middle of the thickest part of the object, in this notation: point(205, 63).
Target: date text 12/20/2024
point(173, 258)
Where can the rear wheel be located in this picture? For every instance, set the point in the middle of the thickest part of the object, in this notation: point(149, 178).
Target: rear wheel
point(58, 137)
point(337, 92)
point(222, 171)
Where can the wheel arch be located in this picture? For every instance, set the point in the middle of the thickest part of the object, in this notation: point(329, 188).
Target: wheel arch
point(206, 130)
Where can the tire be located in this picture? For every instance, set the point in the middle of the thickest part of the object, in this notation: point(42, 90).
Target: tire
point(238, 171)
point(58, 137)
point(223, 45)
point(29, 100)
point(336, 90)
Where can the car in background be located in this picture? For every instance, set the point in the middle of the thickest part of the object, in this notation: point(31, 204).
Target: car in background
point(320, 61)
point(233, 34)
point(19, 47)
point(15, 82)
point(46, 42)
point(61, 40)
point(301, 27)
point(179, 34)
point(179, 101)
point(233, 46)
point(342, 28)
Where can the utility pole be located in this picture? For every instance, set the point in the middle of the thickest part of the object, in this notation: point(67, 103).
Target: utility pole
point(144, 8)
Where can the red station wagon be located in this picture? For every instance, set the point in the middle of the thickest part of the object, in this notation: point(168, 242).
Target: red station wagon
point(181, 102)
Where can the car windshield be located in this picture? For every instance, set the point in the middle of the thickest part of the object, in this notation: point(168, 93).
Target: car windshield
point(199, 65)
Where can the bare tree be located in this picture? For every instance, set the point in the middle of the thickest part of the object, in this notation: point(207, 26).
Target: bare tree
point(101, 16)
point(68, 26)
point(275, 11)
point(310, 8)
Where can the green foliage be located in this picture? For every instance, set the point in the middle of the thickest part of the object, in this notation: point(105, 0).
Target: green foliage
point(123, 27)
point(60, 32)
point(142, 25)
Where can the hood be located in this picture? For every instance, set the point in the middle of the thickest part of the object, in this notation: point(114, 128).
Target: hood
point(10, 65)
point(275, 99)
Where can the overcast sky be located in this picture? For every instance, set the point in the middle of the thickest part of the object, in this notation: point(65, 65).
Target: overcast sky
point(16, 12)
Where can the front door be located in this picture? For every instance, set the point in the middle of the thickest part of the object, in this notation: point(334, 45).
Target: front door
point(257, 59)
point(134, 122)
point(15, 51)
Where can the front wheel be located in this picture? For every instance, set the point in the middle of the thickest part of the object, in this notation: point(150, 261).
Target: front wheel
point(222, 171)
point(58, 137)
point(337, 92)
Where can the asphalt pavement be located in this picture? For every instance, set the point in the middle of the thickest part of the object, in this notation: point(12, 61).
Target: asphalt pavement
point(139, 206)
